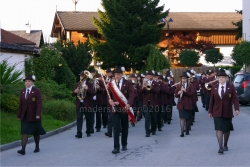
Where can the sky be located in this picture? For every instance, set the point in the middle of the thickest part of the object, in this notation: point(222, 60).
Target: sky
point(14, 14)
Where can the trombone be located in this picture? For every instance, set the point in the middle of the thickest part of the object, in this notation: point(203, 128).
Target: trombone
point(206, 84)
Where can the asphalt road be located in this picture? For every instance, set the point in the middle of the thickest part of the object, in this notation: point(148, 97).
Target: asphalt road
point(166, 148)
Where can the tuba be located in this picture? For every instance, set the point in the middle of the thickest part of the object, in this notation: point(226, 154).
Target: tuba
point(147, 83)
point(82, 92)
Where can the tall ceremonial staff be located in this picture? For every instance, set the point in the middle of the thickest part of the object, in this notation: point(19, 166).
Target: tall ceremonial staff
point(100, 72)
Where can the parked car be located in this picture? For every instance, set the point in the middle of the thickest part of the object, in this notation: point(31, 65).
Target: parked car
point(242, 85)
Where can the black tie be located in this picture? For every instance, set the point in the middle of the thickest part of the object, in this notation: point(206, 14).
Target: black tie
point(222, 91)
point(28, 93)
point(118, 84)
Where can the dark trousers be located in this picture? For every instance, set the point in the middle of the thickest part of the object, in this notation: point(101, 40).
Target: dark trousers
point(97, 109)
point(104, 115)
point(168, 111)
point(120, 123)
point(203, 99)
point(207, 101)
point(79, 121)
point(150, 118)
point(110, 121)
point(160, 115)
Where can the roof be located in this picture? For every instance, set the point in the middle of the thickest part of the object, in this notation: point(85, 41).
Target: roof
point(10, 38)
point(181, 20)
point(35, 36)
point(18, 47)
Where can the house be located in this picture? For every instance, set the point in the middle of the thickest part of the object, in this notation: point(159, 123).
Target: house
point(15, 49)
point(216, 27)
point(35, 36)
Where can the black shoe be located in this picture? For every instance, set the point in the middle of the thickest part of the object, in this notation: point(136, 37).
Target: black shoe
point(153, 133)
point(159, 129)
point(108, 134)
point(78, 135)
point(225, 148)
point(182, 135)
point(220, 151)
point(21, 152)
point(36, 150)
point(92, 131)
point(124, 148)
point(187, 132)
point(97, 130)
point(115, 151)
point(147, 135)
point(88, 135)
point(104, 126)
point(169, 122)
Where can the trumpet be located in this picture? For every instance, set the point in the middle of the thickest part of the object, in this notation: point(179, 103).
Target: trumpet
point(147, 83)
point(206, 84)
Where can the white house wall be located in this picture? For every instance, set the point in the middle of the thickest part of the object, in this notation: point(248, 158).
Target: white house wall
point(226, 51)
point(13, 58)
point(246, 20)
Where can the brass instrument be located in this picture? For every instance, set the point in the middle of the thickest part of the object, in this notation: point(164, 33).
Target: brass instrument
point(147, 83)
point(82, 92)
point(95, 81)
point(206, 84)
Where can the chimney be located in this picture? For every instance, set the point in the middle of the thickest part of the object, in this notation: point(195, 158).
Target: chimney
point(28, 28)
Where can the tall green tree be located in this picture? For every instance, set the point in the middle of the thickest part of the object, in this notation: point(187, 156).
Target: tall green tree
point(189, 58)
point(238, 24)
point(213, 56)
point(241, 53)
point(78, 57)
point(128, 26)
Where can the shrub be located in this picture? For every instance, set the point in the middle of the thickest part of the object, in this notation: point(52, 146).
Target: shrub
point(234, 69)
point(60, 109)
point(9, 103)
point(189, 58)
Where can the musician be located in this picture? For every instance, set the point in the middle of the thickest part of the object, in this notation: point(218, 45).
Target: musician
point(109, 78)
point(140, 99)
point(83, 104)
point(99, 90)
point(150, 103)
point(223, 97)
point(170, 97)
point(133, 79)
point(202, 82)
point(211, 77)
point(29, 113)
point(184, 93)
point(120, 116)
point(162, 89)
point(195, 83)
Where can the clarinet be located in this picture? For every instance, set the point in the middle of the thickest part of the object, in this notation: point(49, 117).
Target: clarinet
point(183, 86)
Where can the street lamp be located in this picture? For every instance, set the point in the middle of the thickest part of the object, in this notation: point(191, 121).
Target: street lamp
point(169, 21)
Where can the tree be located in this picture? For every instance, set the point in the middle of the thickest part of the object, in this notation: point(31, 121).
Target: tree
point(189, 58)
point(9, 74)
point(77, 57)
point(241, 53)
point(213, 56)
point(239, 26)
point(128, 26)
point(156, 60)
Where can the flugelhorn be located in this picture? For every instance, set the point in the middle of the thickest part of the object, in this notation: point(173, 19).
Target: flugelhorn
point(147, 83)
point(206, 84)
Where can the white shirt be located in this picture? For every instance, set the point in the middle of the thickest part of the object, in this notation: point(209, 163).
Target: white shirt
point(120, 83)
point(219, 90)
point(27, 91)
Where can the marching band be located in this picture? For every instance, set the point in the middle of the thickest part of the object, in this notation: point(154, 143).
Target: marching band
point(116, 100)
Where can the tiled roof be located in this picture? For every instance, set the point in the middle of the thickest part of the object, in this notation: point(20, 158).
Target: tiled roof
point(35, 36)
point(18, 47)
point(11, 38)
point(181, 20)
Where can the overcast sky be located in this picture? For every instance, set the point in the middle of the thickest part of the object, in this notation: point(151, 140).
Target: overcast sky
point(14, 14)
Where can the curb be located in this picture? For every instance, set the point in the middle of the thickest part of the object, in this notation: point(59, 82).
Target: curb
point(31, 139)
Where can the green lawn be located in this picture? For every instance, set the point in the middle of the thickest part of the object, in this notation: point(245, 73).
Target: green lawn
point(10, 126)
